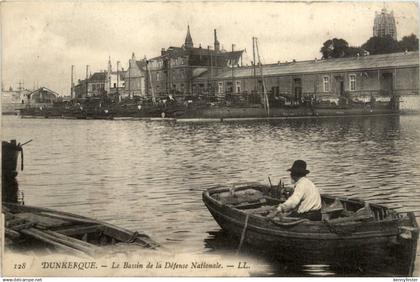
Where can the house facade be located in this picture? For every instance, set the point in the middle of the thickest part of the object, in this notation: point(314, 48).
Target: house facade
point(135, 78)
point(174, 71)
point(96, 84)
point(101, 83)
point(13, 100)
point(356, 78)
point(42, 97)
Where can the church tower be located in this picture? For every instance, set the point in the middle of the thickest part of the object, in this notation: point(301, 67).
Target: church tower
point(188, 40)
point(384, 24)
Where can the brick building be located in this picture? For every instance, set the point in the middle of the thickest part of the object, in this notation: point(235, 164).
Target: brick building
point(174, 71)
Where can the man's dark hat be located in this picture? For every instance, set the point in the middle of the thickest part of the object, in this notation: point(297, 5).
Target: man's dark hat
point(299, 167)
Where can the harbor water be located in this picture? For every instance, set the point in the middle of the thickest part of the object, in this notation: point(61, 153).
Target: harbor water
point(149, 176)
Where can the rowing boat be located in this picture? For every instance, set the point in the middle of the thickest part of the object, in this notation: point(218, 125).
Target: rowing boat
point(347, 224)
point(35, 228)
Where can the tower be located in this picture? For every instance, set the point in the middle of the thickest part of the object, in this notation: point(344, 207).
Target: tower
point(188, 39)
point(384, 24)
point(216, 42)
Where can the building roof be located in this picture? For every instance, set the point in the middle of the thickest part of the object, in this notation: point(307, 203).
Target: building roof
point(393, 60)
point(141, 64)
point(175, 52)
point(98, 76)
point(43, 89)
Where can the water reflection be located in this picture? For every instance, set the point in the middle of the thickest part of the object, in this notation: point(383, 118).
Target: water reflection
point(391, 261)
point(132, 173)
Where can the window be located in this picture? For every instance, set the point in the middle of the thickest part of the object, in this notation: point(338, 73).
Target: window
point(220, 89)
point(238, 87)
point(352, 82)
point(326, 83)
point(157, 76)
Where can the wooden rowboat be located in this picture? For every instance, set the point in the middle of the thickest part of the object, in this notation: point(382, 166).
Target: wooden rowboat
point(348, 225)
point(37, 228)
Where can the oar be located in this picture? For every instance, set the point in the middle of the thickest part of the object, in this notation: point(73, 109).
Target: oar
point(269, 180)
point(271, 186)
point(243, 234)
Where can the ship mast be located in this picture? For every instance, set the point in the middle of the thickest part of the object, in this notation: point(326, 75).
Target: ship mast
point(72, 83)
point(253, 63)
point(266, 102)
point(150, 81)
point(232, 63)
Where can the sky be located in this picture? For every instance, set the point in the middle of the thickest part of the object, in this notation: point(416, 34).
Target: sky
point(41, 40)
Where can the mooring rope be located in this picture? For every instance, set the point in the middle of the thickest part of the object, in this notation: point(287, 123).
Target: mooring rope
point(243, 234)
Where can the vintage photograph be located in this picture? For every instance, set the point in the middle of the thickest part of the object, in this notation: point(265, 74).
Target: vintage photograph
point(218, 139)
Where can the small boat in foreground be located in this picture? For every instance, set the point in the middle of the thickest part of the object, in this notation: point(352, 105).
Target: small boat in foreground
point(347, 225)
point(37, 228)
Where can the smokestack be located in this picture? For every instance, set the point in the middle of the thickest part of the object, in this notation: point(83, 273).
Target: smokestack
point(216, 42)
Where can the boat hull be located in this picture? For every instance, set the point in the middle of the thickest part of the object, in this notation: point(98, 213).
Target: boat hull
point(262, 233)
point(39, 229)
point(367, 243)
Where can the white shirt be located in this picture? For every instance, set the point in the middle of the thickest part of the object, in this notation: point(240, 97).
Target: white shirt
point(306, 196)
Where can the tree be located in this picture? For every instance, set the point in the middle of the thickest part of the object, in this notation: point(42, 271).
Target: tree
point(334, 48)
point(354, 51)
point(381, 45)
point(409, 43)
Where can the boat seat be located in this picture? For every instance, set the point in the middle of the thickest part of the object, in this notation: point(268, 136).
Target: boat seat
point(332, 211)
point(363, 214)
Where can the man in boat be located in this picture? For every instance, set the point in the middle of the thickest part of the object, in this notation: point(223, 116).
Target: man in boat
point(305, 202)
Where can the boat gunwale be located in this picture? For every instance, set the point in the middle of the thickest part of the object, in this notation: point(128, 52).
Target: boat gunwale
point(279, 231)
point(75, 216)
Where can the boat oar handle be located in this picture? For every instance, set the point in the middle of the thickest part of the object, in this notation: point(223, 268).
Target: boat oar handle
point(269, 180)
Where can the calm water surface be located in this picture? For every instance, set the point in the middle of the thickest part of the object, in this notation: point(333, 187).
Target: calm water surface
point(149, 176)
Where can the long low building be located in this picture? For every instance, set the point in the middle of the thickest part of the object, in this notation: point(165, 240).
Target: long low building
point(354, 77)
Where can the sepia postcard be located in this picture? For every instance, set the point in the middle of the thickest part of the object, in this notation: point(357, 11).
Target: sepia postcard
point(210, 139)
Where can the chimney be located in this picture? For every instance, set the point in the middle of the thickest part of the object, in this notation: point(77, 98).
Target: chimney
point(162, 51)
point(216, 42)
